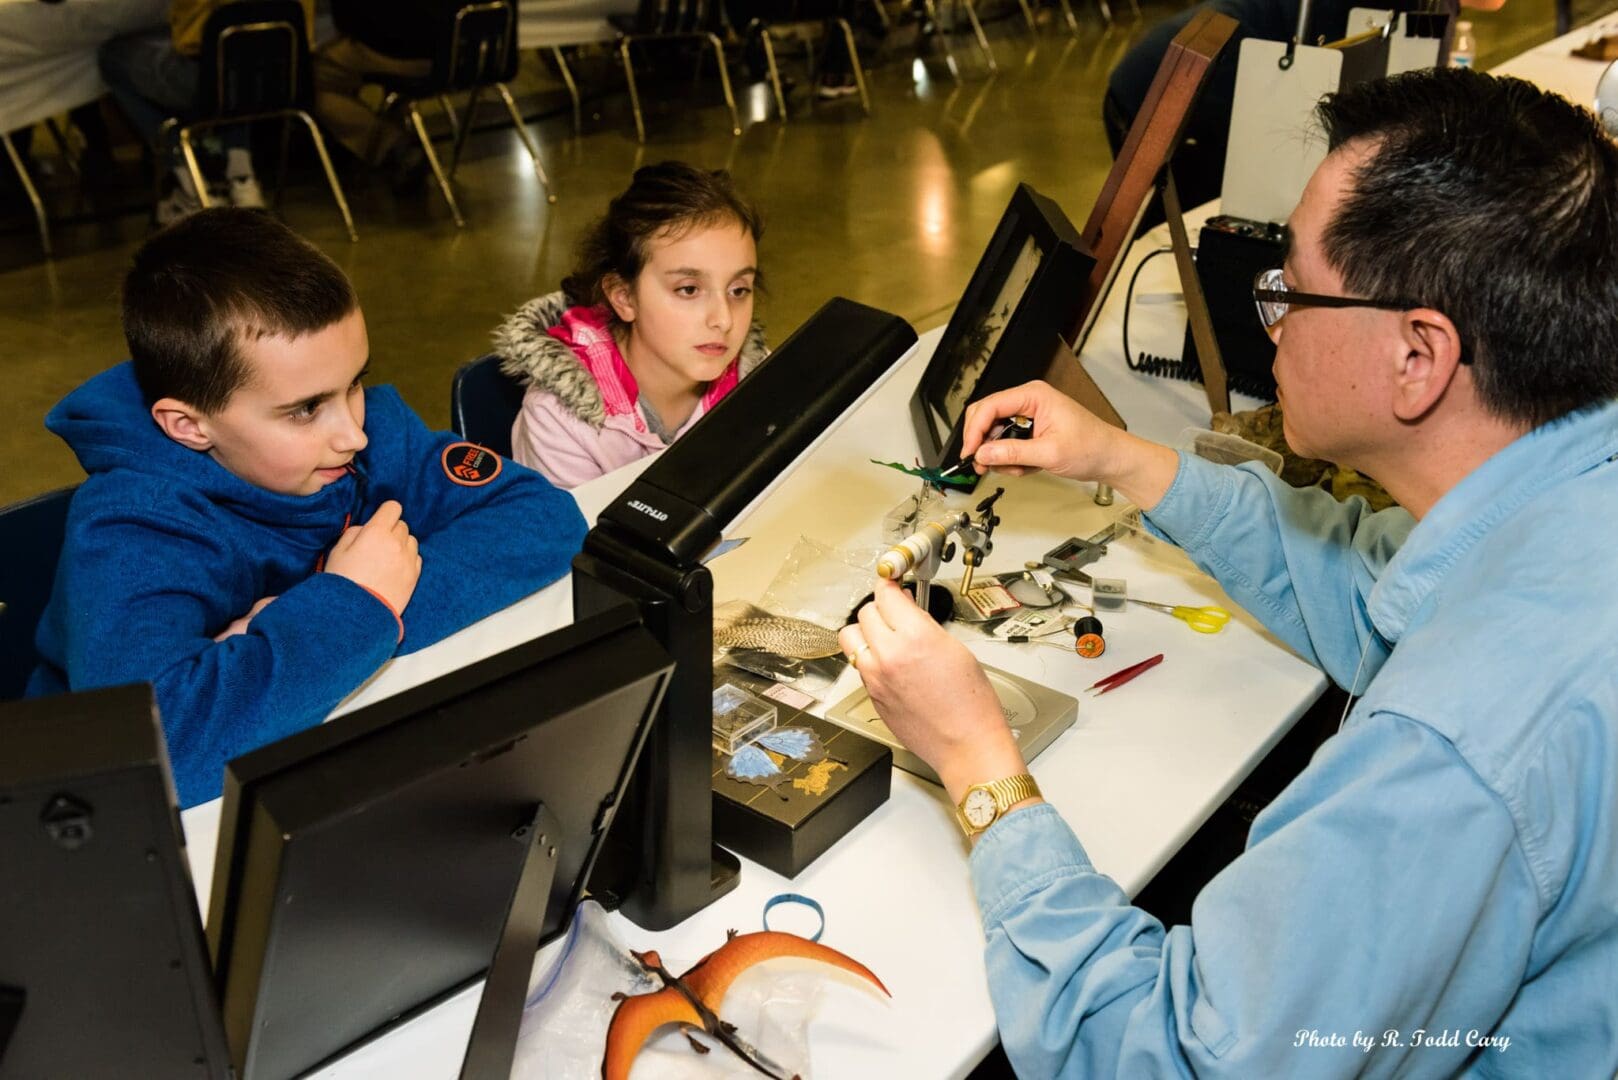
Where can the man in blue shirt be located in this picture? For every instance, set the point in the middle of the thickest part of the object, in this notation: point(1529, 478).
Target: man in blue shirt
point(1437, 893)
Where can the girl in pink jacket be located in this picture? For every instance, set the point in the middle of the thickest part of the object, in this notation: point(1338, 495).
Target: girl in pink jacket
point(653, 328)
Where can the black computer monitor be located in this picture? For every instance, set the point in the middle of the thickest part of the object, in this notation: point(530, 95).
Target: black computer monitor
point(367, 867)
point(103, 971)
point(647, 550)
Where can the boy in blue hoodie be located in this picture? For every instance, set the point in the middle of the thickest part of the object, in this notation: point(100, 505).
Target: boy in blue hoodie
point(259, 532)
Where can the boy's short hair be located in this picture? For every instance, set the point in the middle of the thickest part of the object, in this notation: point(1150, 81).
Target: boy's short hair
point(201, 287)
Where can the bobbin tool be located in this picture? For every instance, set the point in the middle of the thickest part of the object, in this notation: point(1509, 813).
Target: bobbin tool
point(1014, 427)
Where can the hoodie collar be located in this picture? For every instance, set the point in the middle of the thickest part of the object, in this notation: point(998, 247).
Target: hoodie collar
point(1527, 468)
point(108, 426)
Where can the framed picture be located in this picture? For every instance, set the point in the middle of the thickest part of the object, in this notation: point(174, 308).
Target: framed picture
point(1022, 298)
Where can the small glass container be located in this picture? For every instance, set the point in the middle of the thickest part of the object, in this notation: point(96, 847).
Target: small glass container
point(739, 716)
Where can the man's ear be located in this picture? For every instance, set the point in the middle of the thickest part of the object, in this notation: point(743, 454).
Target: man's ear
point(1431, 361)
point(620, 296)
point(183, 423)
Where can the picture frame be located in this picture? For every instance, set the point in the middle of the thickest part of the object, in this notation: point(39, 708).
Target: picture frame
point(1016, 310)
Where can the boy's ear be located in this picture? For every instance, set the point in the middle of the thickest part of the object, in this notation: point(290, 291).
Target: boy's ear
point(620, 296)
point(182, 423)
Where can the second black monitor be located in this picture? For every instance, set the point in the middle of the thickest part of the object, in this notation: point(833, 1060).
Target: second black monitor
point(366, 867)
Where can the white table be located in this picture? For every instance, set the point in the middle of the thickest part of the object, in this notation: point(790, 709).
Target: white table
point(1136, 775)
point(1553, 67)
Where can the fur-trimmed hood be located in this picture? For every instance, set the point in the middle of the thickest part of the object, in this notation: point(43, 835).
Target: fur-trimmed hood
point(532, 356)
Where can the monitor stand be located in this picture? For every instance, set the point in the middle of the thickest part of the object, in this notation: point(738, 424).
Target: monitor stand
point(660, 860)
point(12, 999)
point(493, 1046)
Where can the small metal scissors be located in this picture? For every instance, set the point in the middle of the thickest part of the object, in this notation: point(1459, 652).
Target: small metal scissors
point(1204, 620)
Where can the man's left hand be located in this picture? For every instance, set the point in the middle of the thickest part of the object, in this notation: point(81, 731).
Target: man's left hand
point(930, 691)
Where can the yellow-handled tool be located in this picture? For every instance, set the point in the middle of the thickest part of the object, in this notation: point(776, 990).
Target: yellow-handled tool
point(1204, 620)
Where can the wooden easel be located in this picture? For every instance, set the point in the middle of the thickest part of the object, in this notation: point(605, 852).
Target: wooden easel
point(1142, 166)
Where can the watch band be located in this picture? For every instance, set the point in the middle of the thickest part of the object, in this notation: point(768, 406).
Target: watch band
point(1011, 791)
point(1006, 793)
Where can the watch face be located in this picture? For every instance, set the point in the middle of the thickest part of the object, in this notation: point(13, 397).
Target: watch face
point(979, 809)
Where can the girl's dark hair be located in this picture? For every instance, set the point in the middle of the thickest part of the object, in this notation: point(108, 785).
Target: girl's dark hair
point(670, 197)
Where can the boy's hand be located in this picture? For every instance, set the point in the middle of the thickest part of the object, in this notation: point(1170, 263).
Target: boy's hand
point(379, 556)
point(239, 626)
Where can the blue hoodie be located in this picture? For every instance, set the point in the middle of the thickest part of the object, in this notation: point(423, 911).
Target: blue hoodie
point(165, 548)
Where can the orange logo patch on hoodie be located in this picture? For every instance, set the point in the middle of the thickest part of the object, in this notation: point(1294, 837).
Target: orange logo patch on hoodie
point(470, 465)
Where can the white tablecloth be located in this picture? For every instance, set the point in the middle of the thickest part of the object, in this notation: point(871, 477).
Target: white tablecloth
point(48, 52)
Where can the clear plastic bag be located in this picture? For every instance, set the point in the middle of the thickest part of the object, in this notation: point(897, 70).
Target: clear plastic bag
point(821, 584)
point(564, 1027)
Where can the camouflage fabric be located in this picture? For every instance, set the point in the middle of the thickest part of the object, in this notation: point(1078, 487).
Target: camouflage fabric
point(1263, 426)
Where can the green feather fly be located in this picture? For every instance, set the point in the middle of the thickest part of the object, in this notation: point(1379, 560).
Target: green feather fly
point(938, 478)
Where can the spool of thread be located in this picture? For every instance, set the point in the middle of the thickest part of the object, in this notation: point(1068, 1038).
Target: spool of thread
point(1087, 639)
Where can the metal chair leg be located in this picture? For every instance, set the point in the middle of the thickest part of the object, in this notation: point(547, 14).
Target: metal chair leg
point(572, 87)
point(190, 155)
point(931, 8)
point(983, 39)
point(331, 174)
point(449, 112)
point(634, 95)
point(882, 14)
point(1027, 14)
point(33, 194)
point(1072, 20)
point(374, 140)
point(775, 72)
point(724, 82)
point(438, 170)
point(1106, 11)
point(464, 130)
point(527, 139)
point(854, 62)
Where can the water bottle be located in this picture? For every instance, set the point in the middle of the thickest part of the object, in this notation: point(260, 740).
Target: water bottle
point(1465, 47)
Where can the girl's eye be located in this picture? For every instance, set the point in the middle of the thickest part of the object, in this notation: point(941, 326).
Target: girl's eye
point(741, 291)
point(305, 413)
point(685, 290)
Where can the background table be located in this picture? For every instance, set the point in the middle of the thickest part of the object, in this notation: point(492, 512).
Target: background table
point(48, 52)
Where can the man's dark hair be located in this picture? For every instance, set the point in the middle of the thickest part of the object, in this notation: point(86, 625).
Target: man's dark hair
point(204, 285)
point(1496, 203)
point(669, 197)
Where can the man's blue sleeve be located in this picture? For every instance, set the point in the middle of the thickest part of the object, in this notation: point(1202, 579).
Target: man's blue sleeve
point(148, 620)
point(484, 545)
point(1299, 560)
point(1384, 890)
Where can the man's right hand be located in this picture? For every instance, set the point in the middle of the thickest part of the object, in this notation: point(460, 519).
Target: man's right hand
point(1069, 440)
point(380, 556)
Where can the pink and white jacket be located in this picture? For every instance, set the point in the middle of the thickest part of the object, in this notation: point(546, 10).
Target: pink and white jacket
point(581, 415)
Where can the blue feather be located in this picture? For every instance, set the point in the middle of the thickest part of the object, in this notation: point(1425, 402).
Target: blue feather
point(752, 765)
point(794, 742)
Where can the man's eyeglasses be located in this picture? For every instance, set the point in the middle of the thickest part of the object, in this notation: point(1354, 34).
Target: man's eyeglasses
point(1274, 298)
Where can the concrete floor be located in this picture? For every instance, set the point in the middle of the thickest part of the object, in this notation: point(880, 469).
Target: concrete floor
point(891, 210)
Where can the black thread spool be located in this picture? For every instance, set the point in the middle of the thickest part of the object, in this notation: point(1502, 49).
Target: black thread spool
point(1087, 639)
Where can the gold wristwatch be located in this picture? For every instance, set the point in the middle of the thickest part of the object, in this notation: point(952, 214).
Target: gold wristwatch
point(983, 804)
